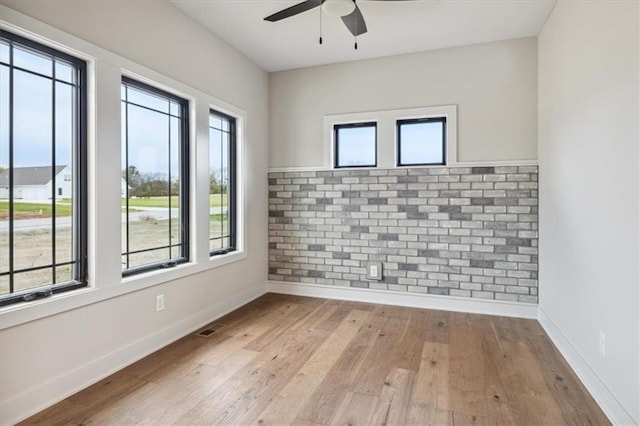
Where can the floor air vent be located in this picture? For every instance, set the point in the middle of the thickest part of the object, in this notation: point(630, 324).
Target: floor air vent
point(209, 330)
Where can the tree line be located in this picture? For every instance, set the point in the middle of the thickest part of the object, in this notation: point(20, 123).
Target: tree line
point(156, 185)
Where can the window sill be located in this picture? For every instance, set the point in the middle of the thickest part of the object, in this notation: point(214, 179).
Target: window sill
point(21, 313)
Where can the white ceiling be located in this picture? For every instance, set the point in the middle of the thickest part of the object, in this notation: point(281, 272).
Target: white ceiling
point(395, 27)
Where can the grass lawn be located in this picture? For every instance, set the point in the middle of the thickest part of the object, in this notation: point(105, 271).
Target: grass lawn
point(37, 210)
point(33, 210)
point(214, 201)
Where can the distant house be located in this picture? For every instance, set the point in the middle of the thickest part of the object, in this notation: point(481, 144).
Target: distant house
point(35, 183)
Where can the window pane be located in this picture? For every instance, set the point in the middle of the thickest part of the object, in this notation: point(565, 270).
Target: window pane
point(221, 168)
point(64, 72)
point(33, 178)
point(421, 142)
point(32, 61)
point(175, 109)
point(215, 121)
point(148, 100)
point(4, 177)
point(355, 145)
point(4, 52)
point(154, 214)
point(64, 178)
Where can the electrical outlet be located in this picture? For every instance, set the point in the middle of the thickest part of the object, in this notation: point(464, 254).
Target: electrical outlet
point(374, 271)
point(159, 302)
point(602, 344)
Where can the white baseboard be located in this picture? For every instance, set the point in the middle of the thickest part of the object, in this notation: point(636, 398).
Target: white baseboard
point(21, 406)
point(596, 387)
point(414, 300)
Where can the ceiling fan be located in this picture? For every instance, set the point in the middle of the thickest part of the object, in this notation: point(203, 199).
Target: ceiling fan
point(347, 9)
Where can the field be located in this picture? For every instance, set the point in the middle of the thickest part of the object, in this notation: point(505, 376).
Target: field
point(214, 201)
point(33, 248)
point(25, 210)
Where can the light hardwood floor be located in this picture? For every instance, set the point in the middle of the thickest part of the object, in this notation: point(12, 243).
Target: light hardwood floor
point(294, 360)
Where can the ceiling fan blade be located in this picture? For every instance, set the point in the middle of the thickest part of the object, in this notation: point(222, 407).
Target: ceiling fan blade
point(355, 22)
point(293, 10)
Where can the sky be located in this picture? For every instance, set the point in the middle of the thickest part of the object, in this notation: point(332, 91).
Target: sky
point(32, 110)
point(421, 144)
point(357, 146)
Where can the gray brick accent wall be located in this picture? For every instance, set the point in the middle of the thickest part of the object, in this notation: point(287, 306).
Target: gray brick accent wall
point(452, 231)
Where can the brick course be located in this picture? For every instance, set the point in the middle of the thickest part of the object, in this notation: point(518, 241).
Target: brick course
point(458, 231)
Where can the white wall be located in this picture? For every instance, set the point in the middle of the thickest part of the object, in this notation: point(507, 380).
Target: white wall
point(589, 194)
point(493, 84)
point(62, 350)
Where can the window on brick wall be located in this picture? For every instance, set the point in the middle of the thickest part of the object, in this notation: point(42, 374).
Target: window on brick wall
point(421, 141)
point(355, 145)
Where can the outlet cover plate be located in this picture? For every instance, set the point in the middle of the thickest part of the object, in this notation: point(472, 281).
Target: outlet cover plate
point(159, 302)
point(374, 271)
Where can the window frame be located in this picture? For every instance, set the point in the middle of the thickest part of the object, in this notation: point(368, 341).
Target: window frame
point(336, 142)
point(185, 173)
point(401, 122)
point(232, 185)
point(387, 134)
point(80, 216)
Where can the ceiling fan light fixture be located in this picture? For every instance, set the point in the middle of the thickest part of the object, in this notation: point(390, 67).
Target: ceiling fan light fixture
point(338, 7)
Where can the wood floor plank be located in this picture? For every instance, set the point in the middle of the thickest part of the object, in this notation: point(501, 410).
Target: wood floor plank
point(395, 397)
point(426, 414)
point(304, 311)
point(245, 335)
point(432, 381)
point(58, 414)
point(474, 381)
point(530, 400)
point(565, 387)
point(408, 352)
point(291, 399)
point(384, 354)
point(156, 364)
point(170, 402)
point(310, 362)
point(356, 409)
point(329, 395)
point(249, 391)
point(438, 326)
point(121, 410)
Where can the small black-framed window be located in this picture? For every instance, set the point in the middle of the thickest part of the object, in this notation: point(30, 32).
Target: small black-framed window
point(222, 183)
point(43, 170)
point(155, 178)
point(422, 141)
point(355, 145)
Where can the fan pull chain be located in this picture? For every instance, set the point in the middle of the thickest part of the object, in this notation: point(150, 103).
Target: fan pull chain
point(355, 37)
point(320, 40)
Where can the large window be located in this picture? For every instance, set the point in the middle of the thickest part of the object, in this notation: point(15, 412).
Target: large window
point(355, 145)
point(155, 178)
point(43, 219)
point(222, 183)
point(421, 141)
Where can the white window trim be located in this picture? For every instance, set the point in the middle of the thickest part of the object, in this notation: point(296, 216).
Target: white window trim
point(387, 145)
point(104, 76)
